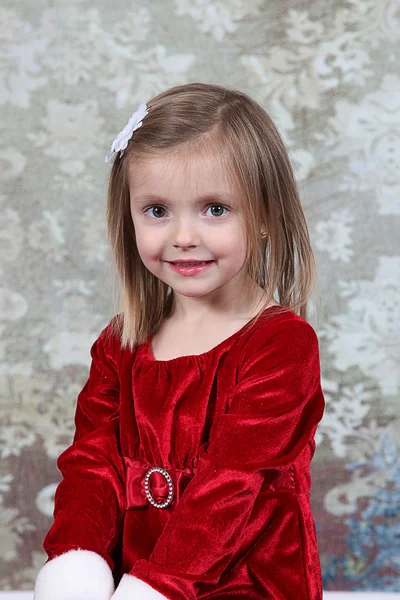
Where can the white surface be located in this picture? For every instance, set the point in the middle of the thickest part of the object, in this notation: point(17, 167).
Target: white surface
point(131, 587)
point(75, 574)
point(361, 596)
point(327, 596)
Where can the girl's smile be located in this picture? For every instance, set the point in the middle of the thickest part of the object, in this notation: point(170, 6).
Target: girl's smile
point(189, 268)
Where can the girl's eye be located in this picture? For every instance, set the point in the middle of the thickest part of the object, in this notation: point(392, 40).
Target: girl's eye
point(157, 210)
point(220, 208)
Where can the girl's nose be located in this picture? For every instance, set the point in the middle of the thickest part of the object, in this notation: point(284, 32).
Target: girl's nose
point(185, 235)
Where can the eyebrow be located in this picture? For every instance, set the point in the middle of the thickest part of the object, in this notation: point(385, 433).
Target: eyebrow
point(217, 196)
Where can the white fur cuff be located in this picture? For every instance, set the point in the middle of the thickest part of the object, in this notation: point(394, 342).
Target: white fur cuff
point(132, 588)
point(75, 574)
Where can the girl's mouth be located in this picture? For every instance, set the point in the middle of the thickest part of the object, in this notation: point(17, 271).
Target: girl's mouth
point(190, 268)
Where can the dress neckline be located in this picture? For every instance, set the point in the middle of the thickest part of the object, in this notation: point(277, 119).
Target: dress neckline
point(149, 353)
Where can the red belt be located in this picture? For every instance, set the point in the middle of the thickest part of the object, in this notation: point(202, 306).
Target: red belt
point(163, 486)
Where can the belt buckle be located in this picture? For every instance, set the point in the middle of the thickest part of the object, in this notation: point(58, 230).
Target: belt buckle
point(167, 476)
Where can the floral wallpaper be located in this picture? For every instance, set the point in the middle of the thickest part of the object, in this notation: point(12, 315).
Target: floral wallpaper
point(71, 73)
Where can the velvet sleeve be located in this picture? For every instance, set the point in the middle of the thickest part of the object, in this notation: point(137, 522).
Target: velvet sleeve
point(272, 414)
point(89, 500)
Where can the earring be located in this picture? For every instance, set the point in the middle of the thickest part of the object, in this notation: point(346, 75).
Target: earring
point(263, 234)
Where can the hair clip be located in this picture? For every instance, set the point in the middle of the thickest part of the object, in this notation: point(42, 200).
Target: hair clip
point(122, 139)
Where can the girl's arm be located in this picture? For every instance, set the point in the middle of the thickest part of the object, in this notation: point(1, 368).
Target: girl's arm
point(273, 413)
point(89, 501)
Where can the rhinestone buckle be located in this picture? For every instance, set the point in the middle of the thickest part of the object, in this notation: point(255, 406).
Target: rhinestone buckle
point(170, 487)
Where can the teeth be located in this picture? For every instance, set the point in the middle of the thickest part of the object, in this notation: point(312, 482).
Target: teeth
point(190, 264)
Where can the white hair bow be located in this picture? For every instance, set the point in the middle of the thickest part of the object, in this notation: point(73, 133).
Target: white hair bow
point(122, 139)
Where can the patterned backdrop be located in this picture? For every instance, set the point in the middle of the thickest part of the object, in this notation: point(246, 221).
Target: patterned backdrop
point(71, 73)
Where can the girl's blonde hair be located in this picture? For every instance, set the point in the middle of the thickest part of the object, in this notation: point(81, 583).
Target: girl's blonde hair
point(202, 116)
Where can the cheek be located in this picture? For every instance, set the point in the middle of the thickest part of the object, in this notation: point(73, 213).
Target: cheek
point(231, 242)
point(143, 248)
point(237, 250)
point(150, 250)
point(143, 240)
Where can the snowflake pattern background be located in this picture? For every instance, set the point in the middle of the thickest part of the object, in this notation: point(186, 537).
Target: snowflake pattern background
point(328, 74)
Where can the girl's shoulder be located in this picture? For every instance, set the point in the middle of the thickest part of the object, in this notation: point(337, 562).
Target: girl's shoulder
point(284, 331)
point(109, 337)
point(279, 320)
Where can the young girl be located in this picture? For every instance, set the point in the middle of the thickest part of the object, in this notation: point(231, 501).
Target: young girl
point(189, 473)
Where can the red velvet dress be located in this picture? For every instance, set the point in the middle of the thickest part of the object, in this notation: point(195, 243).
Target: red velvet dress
point(234, 429)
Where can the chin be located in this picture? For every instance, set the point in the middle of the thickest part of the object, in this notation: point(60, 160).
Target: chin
point(191, 291)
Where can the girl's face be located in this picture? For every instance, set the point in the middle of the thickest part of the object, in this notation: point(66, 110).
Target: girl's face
point(184, 208)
